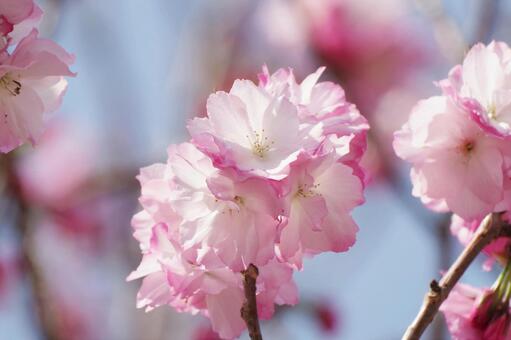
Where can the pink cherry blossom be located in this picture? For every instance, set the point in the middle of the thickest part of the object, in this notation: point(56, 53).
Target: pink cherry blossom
point(482, 86)
point(17, 19)
point(456, 165)
point(471, 314)
point(272, 174)
point(214, 210)
point(458, 143)
point(249, 129)
point(32, 84)
point(322, 108)
point(458, 309)
point(275, 121)
point(321, 193)
point(235, 217)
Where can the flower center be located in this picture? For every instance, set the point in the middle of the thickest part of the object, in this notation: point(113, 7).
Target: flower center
point(305, 191)
point(10, 85)
point(230, 208)
point(239, 200)
point(492, 111)
point(261, 145)
point(467, 147)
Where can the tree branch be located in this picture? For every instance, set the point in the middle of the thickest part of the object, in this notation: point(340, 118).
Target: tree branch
point(491, 228)
point(42, 301)
point(43, 305)
point(249, 307)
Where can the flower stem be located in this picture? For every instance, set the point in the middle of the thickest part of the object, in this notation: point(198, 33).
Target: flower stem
point(249, 307)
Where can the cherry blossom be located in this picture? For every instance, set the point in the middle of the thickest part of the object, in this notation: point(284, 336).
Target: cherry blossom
point(482, 86)
point(271, 174)
point(32, 84)
point(456, 165)
point(212, 209)
point(457, 143)
point(323, 110)
point(249, 129)
point(274, 122)
point(17, 19)
point(473, 313)
point(321, 193)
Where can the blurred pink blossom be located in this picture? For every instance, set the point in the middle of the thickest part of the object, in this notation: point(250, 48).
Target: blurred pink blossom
point(365, 54)
point(62, 163)
point(58, 176)
point(326, 316)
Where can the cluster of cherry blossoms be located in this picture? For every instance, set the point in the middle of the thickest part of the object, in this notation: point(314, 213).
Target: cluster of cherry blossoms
point(270, 176)
point(32, 72)
point(460, 150)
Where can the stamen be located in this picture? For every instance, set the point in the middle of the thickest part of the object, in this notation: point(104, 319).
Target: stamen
point(305, 191)
point(469, 146)
point(239, 200)
point(492, 111)
point(12, 86)
point(261, 145)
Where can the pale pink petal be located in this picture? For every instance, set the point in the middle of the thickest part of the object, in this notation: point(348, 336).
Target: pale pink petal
point(154, 292)
point(224, 313)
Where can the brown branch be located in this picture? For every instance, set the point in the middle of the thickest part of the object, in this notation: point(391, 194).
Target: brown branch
point(249, 308)
point(43, 306)
point(491, 228)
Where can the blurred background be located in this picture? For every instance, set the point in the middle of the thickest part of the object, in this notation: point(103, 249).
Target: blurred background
point(146, 67)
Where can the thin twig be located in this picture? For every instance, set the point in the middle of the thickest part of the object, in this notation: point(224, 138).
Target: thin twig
point(249, 308)
point(491, 228)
